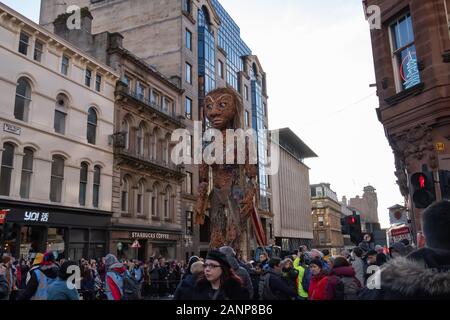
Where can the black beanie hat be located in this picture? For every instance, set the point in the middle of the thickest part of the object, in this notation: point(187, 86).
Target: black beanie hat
point(317, 262)
point(436, 225)
point(218, 256)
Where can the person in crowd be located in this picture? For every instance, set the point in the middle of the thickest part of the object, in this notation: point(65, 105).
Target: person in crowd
point(4, 292)
point(264, 260)
point(341, 283)
point(367, 244)
point(87, 281)
point(187, 285)
point(289, 274)
point(371, 258)
point(154, 278)
point(174, 276)
point(238, 269)
point(162, 278)
point(219, 281)
point(191, 261)
point(146, 283)
point(304, 275)
point(137, 272)
point(40, 278)
point(114, 278)
point(408, 247)
point(359, 265)
point(61, 289)
point(425, 273)
point(10, 275)
point(272, 286)
point(255, 272)
point(318, 274)
point(24, 269)
point(398, 249)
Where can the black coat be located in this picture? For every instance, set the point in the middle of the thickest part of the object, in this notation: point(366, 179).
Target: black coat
point(185, 290)
point(423, 275)
point(231, 289)
point(279, 287)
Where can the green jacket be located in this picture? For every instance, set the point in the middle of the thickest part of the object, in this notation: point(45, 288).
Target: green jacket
point(301, 272)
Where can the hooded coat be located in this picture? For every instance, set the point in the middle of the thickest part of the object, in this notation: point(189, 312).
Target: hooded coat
point(115, 272)
point(49, 270)
point(423, 275)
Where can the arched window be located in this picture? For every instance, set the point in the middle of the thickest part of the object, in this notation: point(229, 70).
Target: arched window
point(7, 168)
point(124, 194)
point(23, 99)
point(140, 140)
point(140, 198)
point(83, 183)
point(167, 203)
point(27, 173)
point(166, 150)
point(92, 126)
point(96, 188)
point(62, 103)
point(126, 133)
point(57, 178)
point(154, 200)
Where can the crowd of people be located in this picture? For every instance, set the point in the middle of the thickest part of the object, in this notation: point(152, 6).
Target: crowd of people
point(367, 272)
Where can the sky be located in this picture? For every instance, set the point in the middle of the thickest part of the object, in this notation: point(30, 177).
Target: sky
point(318, 59)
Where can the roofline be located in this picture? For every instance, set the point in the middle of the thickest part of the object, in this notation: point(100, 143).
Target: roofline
point(307, 151)
point(62, 41)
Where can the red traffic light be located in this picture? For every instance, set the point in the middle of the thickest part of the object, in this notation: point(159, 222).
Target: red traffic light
point(351, 220)
point(422, 181)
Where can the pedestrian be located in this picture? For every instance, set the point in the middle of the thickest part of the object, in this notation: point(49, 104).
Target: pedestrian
point(219, 281)
point(162, 278)
point(10, 276)
point(40, 278)
point(154, 278)
point(359, 265)
point(315, 291)
point(272, 286)
point(303, 276)
point(340, 283)
point(87, 282)
point(289, 274)
point(114, 278)
point(186, 288)
point(398, 249)
point(264, 260)
point(424, 274)
point(61, 288)
point(255, 275)
point(367, 244)
point(240, 271)
point(4, 292)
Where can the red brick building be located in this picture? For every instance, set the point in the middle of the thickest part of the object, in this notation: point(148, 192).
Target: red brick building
point(412, 65)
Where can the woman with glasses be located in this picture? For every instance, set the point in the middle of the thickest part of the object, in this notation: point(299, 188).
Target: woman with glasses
point(218, 280)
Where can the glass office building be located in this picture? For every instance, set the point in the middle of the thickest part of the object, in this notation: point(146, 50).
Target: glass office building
point(206, 51)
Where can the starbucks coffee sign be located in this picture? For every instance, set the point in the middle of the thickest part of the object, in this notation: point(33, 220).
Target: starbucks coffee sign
point(154, 236)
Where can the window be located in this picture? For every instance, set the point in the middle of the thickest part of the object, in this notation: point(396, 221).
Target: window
point(269, 204)
point(60, 113)
point(188, 183)
point(188, 73)
point(154, 200)
point(321, 223)
point(188, 107)
point(98, 82)
point(96, 189)
point(154, 100)
point(187, 6)
point(88, 78)
point(91, 126)
point(65, 65)
point(221, 69)
point(406, 70)
point(189, 223)
point(83, 183)
point(270, 231)
point(189, 146)
point(140, 91)
point(264, 109)
point(167, 199)
point(140, 140)
point(247, 119)
point(7, 168)
point(322, 238)
point(27, 172)
point(38, 51)
point(24, 43)
point(126, 133)
point(23, 99)
point(140, 198)
point(57, 178)
point(127, 81)
point(166, 150)
point(165, 105)
point(246, 92)
point(188, 39)
point(124, 195)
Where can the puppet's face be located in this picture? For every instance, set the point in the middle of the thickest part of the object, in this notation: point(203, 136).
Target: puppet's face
point(220, 110)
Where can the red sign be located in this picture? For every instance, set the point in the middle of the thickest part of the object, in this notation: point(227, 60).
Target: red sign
point(3, 214)
point(400, 231)
point(136, 244)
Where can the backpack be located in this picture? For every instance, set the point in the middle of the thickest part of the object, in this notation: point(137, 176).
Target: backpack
point(43, 284)
point(130, 288)
point(265, 293)
point(347, 288)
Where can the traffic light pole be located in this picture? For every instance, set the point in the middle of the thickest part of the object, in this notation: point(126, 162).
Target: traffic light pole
point(437, 185)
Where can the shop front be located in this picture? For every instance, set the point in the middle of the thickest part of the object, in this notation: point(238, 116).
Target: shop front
point(71, 233)
point(142, 245)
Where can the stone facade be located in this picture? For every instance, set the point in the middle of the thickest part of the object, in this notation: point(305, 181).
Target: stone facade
point(416, 120)
point(61, 112)
point(367, 205)
point(326, 216)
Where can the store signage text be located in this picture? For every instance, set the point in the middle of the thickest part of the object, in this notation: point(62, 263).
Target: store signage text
point(146, 235)
point(36, 216)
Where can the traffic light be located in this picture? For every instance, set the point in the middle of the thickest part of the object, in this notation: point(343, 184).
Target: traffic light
point(355, 228)
point(423, 192)
point(444, 177)
point(345, 225)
